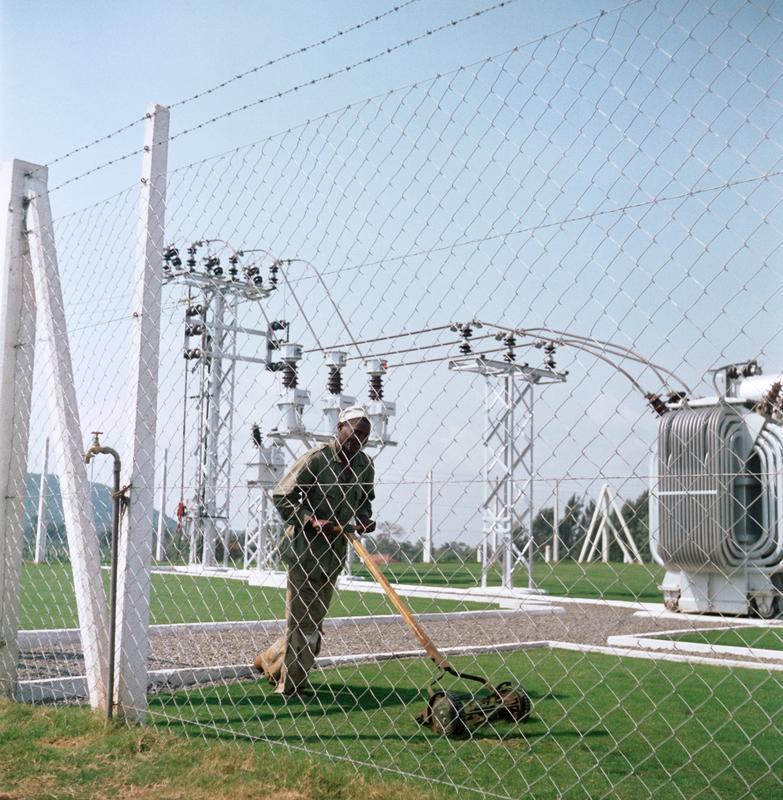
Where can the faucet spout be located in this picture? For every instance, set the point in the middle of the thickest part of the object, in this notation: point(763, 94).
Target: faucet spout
point(95, 448)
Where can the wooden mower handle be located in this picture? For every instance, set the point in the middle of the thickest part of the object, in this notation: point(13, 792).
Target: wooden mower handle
point(424, 640)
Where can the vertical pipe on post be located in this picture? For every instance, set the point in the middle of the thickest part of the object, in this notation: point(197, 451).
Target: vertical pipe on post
point(427, 555)
point(136, 542)
point(489, 522)
point(160, 544)
point(556, 524)
point(531, 584)
point(508, 482)
point(115, 540)
point(40, 525)
point(213, 430)
point(493, 540)
point(17, 350)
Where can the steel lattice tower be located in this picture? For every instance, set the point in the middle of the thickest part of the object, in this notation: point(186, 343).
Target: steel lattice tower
point(508, 472)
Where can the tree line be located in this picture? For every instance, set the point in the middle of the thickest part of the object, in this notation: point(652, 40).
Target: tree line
point(572, 528)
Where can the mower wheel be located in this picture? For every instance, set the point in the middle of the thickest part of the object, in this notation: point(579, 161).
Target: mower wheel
point(516, 703)
point(445, 716)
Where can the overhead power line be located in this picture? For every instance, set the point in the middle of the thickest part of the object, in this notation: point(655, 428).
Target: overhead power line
point(293, 89)
point(252, 71)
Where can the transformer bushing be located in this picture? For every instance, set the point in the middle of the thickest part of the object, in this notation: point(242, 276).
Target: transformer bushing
point(716, 522)
point(292, 399)
point(378, 409)
point(264, 526)
point(336, 401)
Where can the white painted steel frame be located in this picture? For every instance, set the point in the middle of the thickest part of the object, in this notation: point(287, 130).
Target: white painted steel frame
point(508, 420)
point(134, 557)
point(17, 352)
point(83, 543)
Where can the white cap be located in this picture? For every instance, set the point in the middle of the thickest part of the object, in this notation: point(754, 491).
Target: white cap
point(354, 412)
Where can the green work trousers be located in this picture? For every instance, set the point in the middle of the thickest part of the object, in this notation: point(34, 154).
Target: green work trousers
point(293, 655)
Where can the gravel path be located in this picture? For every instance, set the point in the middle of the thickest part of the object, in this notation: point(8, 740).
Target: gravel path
point(190, 647)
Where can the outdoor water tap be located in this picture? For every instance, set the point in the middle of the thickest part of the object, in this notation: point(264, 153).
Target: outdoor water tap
point(95, 449)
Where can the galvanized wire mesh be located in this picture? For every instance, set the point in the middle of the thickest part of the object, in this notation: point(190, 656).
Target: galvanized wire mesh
point(609, 196)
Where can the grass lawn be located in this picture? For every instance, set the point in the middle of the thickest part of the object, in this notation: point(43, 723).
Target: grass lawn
point(48, 600)
point(67, 752)
point(761, 638)
point(601, 726)
point(612, 581)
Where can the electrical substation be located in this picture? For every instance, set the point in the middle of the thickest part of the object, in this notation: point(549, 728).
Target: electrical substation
point(542, 267)
point(216, 339)
point(717, 497)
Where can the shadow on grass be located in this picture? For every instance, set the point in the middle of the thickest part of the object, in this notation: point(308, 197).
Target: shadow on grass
point(264, 715)
point(326, 699)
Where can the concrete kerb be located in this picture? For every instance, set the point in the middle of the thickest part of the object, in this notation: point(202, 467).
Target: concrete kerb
point(75, 687)
point(652, 641)
point(35, 639)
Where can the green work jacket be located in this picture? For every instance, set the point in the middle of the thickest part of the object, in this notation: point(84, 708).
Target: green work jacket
point(320, 485)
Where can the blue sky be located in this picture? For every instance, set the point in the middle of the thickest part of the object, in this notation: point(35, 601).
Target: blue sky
point(477, 180)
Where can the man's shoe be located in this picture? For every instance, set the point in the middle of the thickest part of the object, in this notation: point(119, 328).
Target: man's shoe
point(262, 665)
point(302, 692)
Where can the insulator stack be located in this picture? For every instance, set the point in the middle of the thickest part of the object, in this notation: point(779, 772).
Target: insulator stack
point(549, 358)
point(465, 331)
point(289, 375)
point(376, 387)
point(657, 405)
point(195, 329)
point(195, 353)
point(509, 356)
point(171, 258)
point(194, 311)
point(771, 401)
point(334, 382)
point(273, 270)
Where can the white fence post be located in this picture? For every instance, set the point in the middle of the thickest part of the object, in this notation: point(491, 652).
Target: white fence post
point(77, 507)
point(139, 455)
point(40, 525)
point(17, 350)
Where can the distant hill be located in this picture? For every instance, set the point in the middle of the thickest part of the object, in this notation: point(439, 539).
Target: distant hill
point(100, 498)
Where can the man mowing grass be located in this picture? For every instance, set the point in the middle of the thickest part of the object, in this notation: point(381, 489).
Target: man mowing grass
point(326, 489)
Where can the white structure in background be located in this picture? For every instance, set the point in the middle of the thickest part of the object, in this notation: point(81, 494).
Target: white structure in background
point(716, 514)
point(427, 549)
point(264, 526)
point(40, 524)
point(601, 526)
point(508, 452)
point(160, 541)
point(214, 340)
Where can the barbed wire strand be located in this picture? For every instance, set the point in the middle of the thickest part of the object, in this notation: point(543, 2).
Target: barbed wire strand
point(293, 89)
point(253, 70)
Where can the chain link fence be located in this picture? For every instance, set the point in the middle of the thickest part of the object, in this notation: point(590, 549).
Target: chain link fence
point(551, 278)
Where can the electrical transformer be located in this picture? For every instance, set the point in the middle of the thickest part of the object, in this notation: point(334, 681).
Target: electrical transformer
point(716, 497)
